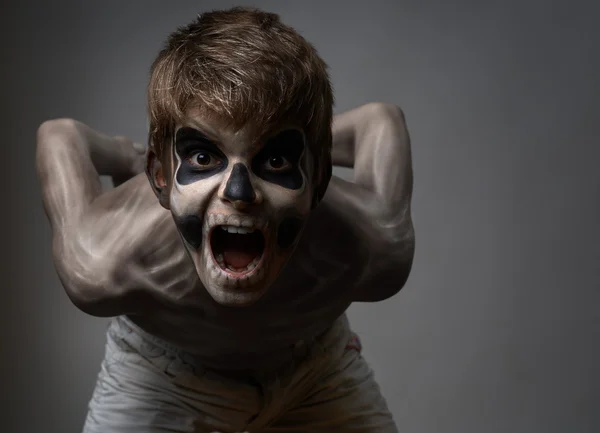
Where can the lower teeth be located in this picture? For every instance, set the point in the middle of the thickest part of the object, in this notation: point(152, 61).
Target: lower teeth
point(221, 261)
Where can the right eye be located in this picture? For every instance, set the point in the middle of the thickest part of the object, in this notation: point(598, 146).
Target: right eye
point(204, 160)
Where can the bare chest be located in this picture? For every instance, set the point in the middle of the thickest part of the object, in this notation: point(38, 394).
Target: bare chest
point(314, 289)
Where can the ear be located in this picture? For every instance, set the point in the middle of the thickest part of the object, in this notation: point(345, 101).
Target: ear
point(157, 177)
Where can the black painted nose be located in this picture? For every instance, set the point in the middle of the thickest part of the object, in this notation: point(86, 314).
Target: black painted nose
point(239, 188)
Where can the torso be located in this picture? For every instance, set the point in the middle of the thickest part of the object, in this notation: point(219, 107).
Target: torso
point(314, 289)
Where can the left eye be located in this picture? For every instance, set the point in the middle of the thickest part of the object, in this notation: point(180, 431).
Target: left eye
point(204, 160)
point(277, 163)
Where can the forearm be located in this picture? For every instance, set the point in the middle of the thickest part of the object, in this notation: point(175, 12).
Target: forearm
point(343, 141)
point(383, 157)
point(383, 165)
point(70, 158)
point(373, 139)
point(68, 178)
point(111, 156)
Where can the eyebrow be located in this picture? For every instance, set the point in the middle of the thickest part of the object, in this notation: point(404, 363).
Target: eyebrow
point(294, 132)
point(187, 132)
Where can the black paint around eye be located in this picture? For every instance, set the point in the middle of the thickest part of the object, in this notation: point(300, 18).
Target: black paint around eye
point(288, 232)
point(190, 228)
point(239, 187)
point(188, 141)
point(288, 144)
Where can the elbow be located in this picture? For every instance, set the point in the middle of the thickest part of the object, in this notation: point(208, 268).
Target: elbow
point(85, 293)
point(402, 255)
point(392, 271)
point(50, 134)
point(58, 125)
point(391, 281)
point(54, 131)
point(384, 113)
point(87, 286)
point(82, 298)
point(386, 284)
point(63, 128)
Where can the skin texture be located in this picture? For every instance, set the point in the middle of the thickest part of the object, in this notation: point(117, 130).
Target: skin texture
point(125, 252)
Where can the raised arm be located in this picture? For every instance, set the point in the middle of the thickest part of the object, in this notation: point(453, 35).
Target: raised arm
point(70, 158)
point(110, 249)
point(373, 139)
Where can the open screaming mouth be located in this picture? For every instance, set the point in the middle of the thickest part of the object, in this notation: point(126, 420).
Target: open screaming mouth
point(237, 250)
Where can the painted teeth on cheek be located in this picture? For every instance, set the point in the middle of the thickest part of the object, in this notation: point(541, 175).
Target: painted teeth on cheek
point(235, 223)
point(234, 220)
point(216, 274)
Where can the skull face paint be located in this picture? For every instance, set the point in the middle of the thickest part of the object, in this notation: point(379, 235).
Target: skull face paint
point(239, 202)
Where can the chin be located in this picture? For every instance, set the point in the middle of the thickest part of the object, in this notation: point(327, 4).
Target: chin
point(235, 262)
point(228, 297)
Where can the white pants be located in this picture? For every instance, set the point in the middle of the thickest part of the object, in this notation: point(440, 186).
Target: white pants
point(146, 386)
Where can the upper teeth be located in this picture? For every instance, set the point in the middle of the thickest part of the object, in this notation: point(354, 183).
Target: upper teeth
point(236, 229)
point(243, 224)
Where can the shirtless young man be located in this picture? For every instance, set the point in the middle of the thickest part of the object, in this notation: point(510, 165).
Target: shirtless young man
point(228, 266)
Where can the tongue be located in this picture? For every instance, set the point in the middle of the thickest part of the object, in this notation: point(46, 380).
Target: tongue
point(237, 259)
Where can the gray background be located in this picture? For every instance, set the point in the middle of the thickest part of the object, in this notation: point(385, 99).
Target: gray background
point(498, 327)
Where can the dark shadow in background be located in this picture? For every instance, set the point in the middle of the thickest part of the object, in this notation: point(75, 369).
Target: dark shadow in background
point(498, 327)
